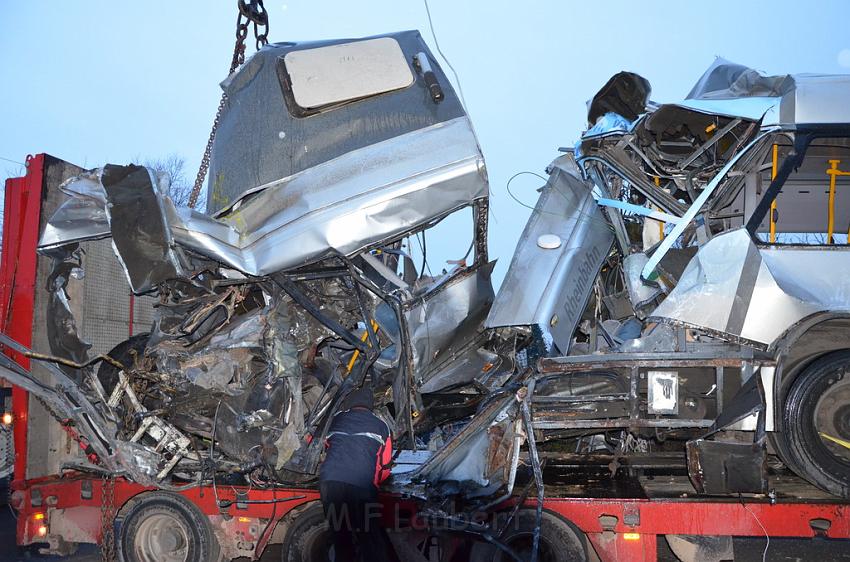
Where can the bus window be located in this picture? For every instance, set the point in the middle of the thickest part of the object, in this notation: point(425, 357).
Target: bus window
point(813, 206)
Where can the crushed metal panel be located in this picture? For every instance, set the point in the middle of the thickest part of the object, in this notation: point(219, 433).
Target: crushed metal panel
point(728, 80)
point(443, 320)
point(475, 460)
point(550, 287)
point(733, 287)
point(360, 199)
point(708, 293)
point(728, 88)
point(364, 197)
point(468, 359)
point(81, 216)
point(140, 233)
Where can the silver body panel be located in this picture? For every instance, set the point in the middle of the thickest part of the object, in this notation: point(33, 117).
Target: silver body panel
point(550, 287)
point(817, 98)
point(444, 321)
point(727, 88)
point(343, 206)
point(360, 199)
point(734, 287)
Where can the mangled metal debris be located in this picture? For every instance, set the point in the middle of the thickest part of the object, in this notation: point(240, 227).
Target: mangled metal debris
point(666, 281)
point(300, 288)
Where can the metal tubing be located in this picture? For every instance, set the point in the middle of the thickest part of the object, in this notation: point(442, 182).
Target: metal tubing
point(538, 474)
point(649, 272)
point(833, 172)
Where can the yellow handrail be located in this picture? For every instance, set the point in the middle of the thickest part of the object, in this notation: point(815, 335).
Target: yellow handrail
point(356, 353)
point(773, 203)
point(833, 172)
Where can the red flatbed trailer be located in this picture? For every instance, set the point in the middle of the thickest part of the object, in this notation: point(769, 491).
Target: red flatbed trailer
point(78, 507)
point(616, 528)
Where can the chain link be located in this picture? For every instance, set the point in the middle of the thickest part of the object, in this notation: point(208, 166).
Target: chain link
point(107, 518)
point(250, 11)
point(62, 421)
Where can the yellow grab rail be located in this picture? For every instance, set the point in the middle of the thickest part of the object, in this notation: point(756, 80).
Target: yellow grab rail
point(833, 172)
point(773, 203)
point(356, 353)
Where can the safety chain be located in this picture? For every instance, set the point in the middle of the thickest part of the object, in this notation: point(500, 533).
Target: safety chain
point(250, 11)
point(107, 518)
point(50, 410)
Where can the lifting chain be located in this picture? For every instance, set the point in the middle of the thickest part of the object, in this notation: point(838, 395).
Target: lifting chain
point(107, 519)
point(253, 12)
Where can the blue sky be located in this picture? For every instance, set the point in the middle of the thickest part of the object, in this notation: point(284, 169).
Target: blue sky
point(93, 82)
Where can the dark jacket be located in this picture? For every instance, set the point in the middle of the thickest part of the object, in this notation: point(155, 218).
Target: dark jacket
point(358, 447)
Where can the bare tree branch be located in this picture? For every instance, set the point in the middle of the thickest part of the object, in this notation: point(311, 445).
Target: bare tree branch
point(174, 166)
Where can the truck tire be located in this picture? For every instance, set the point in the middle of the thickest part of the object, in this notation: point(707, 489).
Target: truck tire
point(817, 406)
point(307, 537)
point(165, 527)
point(560, 541)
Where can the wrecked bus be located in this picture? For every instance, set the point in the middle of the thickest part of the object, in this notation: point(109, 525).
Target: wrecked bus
point(693, 293)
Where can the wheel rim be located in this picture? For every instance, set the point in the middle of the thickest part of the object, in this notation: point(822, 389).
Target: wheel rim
point(832, 419)
point(162, 538)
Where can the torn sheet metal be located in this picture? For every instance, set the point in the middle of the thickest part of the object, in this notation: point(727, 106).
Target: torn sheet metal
point(549, 286)
point(140, 235)
point(731, 286)
point(479, 460)
point(82, 216)
point(728, 88)
point(446, 318)
point(62, 333)
point(728, 80)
